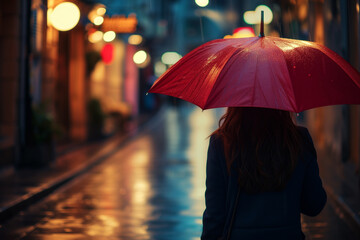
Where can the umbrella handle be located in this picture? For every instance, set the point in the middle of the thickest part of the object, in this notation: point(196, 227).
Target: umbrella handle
point(262, 25)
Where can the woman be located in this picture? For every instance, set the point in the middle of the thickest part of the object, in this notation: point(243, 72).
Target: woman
point(260, 157)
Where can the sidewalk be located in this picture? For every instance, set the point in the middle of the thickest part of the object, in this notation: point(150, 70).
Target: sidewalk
point(20, 188)
point(342, 188)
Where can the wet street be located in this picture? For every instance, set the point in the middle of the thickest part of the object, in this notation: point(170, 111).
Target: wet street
point(152, 188)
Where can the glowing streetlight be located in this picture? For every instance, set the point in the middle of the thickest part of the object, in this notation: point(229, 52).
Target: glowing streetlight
point(170, 58)
point(202, 3)
point(65, 16)
point(109, 36)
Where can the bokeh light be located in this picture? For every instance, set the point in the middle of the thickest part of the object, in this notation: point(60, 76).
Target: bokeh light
point(98, 10)
point(170, 58)
point(242, 32)
point(135, 39)
point(254, 17)
point(101, 11)
point(65, 16)
point(98, 20)
point(202, 3)
point(159, 68)
point(268, 14)
point(95, 37)
point(250, 18)
point(140, 57)
point(107, 53)
point(109, 36)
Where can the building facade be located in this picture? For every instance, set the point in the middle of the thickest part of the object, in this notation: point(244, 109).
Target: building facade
point(335, 129)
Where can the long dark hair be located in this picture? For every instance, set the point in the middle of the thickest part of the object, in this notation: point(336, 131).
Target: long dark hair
point(265, 145)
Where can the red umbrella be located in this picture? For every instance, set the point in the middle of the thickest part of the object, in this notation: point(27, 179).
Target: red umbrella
point(267, 72)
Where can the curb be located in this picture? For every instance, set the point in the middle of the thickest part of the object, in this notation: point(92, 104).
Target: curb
point(47, 188)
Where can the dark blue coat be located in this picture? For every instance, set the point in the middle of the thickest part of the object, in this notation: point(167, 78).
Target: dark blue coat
point(267, 215)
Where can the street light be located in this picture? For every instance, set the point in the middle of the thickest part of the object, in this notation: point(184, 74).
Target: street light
point(65, 16)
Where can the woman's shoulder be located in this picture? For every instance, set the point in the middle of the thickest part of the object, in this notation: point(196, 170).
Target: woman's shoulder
point(303, 130)
point(216, 143)
point(305, 134)
point(215, 138)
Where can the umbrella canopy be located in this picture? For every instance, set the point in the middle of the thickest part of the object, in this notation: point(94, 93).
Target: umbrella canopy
point(266, 72)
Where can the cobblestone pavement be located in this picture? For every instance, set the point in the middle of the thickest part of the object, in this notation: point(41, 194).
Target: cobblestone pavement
point(152, 188)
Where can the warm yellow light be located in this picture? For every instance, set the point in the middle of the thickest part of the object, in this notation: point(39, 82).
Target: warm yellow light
point(49, 12)
point(101, 11)
point(160, 68)
point(254, 17)
point(109, 36)
point(65, 16)
point(98, 10)
point(95, 37)
point(98, 20)
point(92, 15)
point(135, 39)
point(170, 58)
point(202, 3)
point(249, 17)
point(140, 57)
point(243, 32)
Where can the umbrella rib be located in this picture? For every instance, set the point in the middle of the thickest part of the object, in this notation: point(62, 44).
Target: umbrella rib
point(236, 52)
point(292, 89)
point(220, 72)
point(337, 59)
point(255, 77)
point(288, 75)
point(256, 83)
point(186, 87)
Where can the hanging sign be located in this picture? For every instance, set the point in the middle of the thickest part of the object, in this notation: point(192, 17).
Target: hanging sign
point(120, 24)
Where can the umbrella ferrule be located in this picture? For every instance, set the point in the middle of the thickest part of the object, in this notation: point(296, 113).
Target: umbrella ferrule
point(262, 25)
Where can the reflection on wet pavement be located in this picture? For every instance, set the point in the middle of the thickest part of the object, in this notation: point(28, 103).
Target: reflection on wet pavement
point(152, 188)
